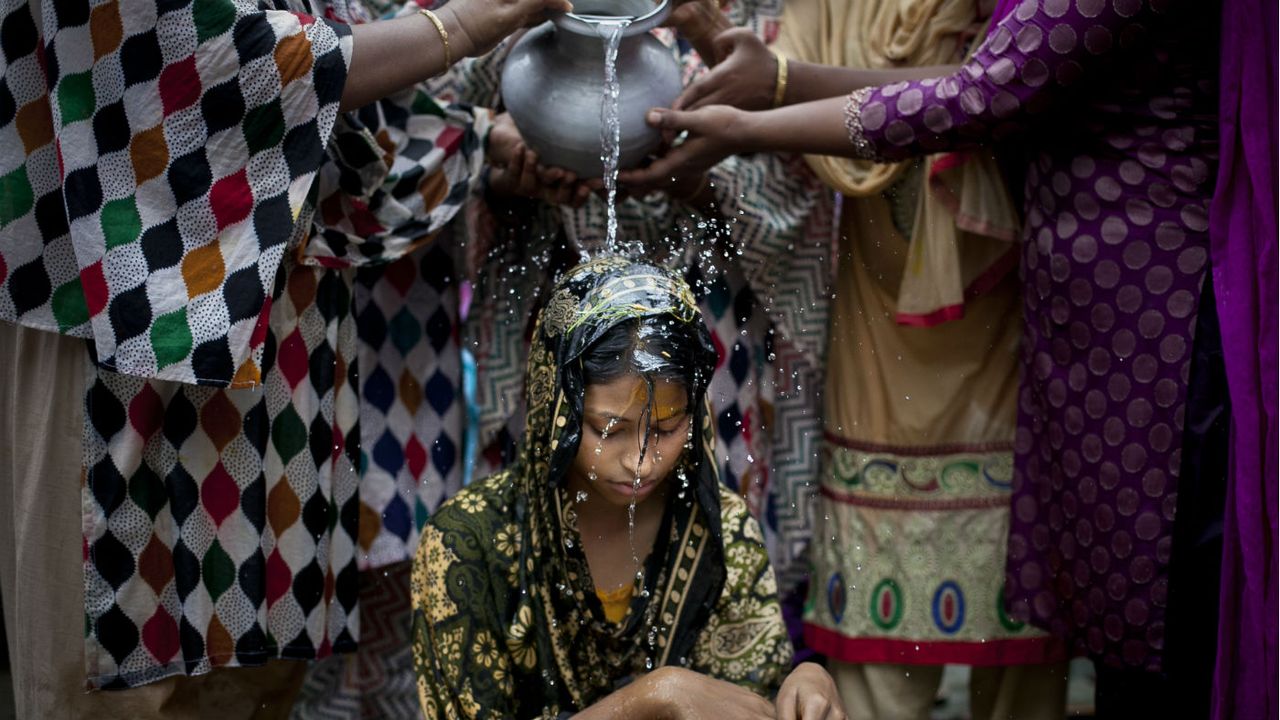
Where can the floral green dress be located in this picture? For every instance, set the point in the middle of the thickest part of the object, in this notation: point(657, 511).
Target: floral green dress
point(506, 619)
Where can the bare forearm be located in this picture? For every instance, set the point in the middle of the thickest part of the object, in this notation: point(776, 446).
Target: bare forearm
point(718, 131)
point(638, 700)
point(390, 55)
point(810, 81)
point(813, 128)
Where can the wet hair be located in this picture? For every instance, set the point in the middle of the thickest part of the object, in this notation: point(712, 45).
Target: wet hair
point(654, 348)
point(657, 347)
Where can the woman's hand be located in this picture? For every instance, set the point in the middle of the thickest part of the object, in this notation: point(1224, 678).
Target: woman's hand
point(674, 693)
point(688, 695)
point(699, 22)
point(809, 693)
point(745, 78)
point(713, 134)
point(484, 23)
point(388, 56)
point(515, 172)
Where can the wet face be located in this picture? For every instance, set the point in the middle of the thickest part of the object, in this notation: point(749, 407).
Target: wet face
point(614, 462)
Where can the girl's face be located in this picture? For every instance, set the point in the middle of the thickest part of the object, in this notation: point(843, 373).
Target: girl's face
point(616, 414)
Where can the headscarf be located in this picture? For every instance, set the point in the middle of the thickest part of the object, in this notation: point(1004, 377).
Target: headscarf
point(685, 573)
point(964, 193)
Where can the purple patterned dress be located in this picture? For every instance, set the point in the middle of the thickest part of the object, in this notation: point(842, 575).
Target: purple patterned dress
point(1113, 104)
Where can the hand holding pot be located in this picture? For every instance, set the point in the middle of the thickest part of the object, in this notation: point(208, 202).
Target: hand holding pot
point(484, 23)
point(516, 172)
point(745, 78)
point(390, 55)
point(699, 22)
point(714, 133)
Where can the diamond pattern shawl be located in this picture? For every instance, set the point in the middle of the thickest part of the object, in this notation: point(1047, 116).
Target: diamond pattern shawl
point(177, 185)
point(166, 150)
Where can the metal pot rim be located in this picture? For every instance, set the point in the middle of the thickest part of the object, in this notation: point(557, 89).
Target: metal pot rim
point(584, 24)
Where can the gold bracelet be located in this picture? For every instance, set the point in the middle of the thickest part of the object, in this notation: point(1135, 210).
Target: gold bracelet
point(444, 36)
point(780, 86)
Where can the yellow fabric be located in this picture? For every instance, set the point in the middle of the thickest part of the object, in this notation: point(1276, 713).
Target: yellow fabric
point(959, 198)
point(907, 692)
point(871, 34)
point(890, 384)
point(615, 602)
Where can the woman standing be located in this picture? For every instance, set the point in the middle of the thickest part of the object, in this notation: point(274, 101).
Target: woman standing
point(196, 186)
point(908, 544)
point(1113, 102)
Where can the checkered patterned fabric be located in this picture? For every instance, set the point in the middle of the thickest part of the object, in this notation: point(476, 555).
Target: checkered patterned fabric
point(156, 156)
point(177, 185)
point(411, 409)
point(222, 522)
point(740, 334)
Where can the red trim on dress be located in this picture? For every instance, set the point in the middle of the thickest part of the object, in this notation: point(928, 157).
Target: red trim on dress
point(1005, 651)
point(968, 223)
point(986, 281)
point(989, 278)
point(937, 317)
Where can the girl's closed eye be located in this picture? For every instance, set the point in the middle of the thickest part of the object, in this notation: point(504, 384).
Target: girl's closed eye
point(605, 428)
point(671, 428)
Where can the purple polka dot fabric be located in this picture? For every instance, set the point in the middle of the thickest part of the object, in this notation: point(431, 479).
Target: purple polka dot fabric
point(1112, 102)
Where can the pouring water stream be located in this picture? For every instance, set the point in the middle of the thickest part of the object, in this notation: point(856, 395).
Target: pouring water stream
point(610, 124)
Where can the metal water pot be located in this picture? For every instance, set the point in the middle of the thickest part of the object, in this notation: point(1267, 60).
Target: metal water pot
point(553, 83)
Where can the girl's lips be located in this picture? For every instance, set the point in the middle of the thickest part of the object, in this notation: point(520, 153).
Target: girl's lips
point(628, 490)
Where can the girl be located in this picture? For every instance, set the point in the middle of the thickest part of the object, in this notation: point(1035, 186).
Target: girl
point(609, 549)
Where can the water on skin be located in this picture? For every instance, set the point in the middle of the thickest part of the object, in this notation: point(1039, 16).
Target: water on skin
point(631, 508)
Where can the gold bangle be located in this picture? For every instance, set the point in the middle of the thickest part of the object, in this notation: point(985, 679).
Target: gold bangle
point(444, 36)
point(780, 86)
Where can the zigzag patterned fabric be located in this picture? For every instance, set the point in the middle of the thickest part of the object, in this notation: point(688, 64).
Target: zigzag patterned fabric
point(786, 232)
point(189, 197)
point(376, 682)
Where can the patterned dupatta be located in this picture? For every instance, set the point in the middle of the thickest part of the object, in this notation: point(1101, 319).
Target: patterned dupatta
point(685, 573)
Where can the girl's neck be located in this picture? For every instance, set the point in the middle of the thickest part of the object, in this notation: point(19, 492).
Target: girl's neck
point(616, 545)
point(599, 518)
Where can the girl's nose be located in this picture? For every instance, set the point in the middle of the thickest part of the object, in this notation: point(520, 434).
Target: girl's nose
point(640, 462)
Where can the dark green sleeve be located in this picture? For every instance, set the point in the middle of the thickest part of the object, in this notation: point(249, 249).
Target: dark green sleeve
point(745, 641)
point(460, 646)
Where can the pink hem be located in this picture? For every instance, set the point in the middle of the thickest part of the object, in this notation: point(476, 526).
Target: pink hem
point(937, 317)
point(981, 285)
point(994, 273)
point(963, 221)
point(1009, 651)
point(948, 161)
